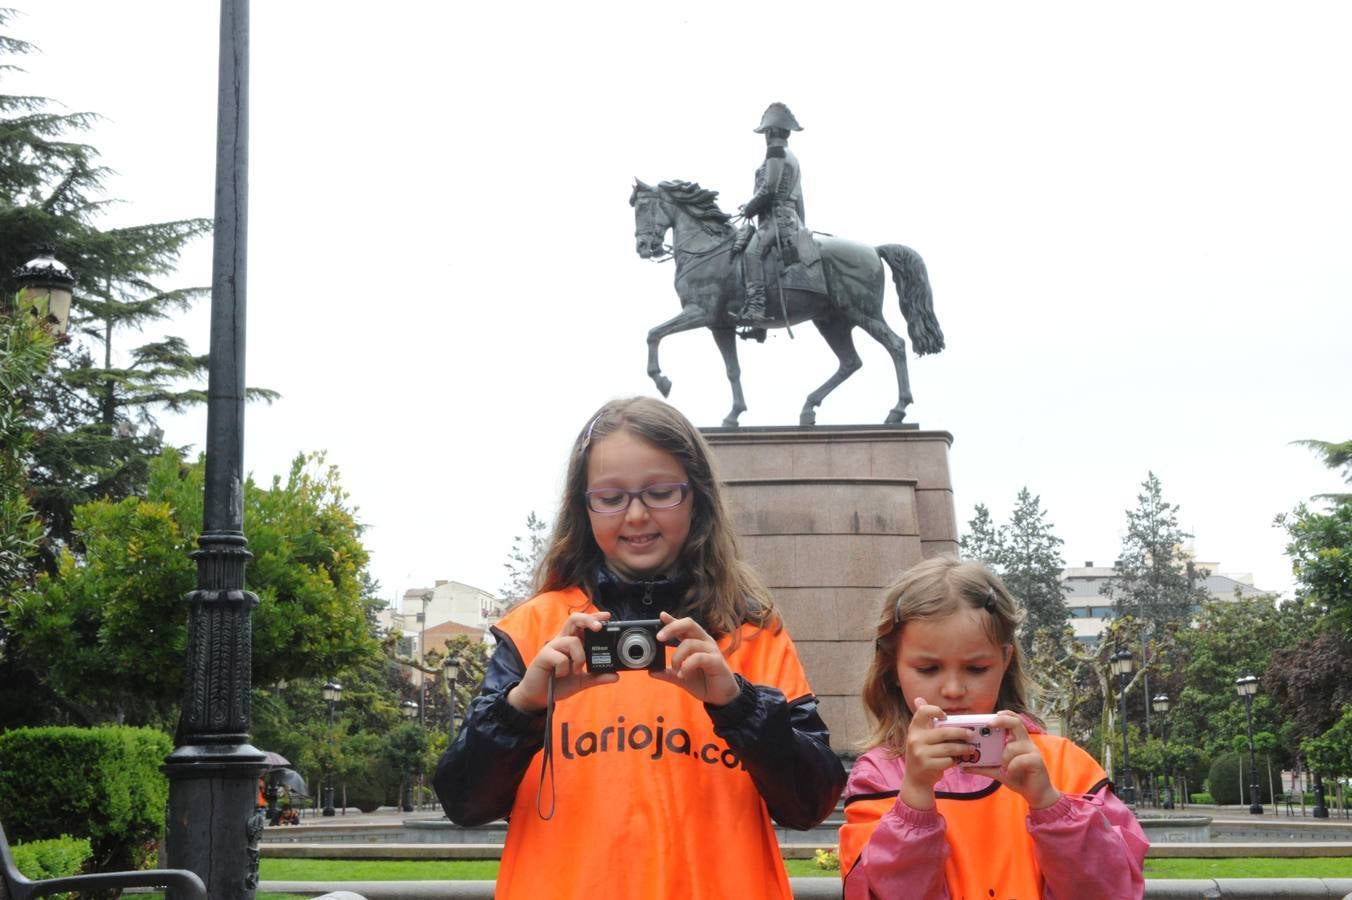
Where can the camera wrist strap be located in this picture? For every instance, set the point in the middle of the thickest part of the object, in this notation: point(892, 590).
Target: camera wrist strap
point(547, 759)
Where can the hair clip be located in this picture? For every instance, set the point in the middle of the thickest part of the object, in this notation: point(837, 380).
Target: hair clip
point(990, 601)
point(586, 438)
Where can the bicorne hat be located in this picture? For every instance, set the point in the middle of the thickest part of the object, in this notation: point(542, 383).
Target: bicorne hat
point(777, 115)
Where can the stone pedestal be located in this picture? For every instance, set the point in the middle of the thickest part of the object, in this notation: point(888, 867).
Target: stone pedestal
point(829, 516)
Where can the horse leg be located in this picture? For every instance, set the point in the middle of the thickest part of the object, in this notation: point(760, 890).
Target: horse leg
point(727, 345)
point(892, 342)
point(836, 330)
point(689, 317)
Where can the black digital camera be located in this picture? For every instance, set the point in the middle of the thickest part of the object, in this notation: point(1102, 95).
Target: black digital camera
point(625, 645)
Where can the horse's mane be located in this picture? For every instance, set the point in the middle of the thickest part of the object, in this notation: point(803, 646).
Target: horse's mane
point(701, 203)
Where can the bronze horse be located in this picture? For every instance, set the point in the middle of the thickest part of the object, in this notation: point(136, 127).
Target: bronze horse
point(709, 283)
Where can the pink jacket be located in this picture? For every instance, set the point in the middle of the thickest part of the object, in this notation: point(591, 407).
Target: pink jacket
point(1087, 845)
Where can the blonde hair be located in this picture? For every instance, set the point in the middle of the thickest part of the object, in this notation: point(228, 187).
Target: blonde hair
point(935, 589)
point(724, 592)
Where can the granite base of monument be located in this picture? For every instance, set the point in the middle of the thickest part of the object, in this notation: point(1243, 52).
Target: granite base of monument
point(829, 516)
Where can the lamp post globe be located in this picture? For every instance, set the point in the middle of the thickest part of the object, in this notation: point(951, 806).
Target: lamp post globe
point(46, 288)
point(1246, 687)
point(1123, 664)
point(1160, 703)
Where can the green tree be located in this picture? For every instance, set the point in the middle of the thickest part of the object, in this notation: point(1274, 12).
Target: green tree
point(1032, 565)
point(24, 351)
point(1154, 580)
point(1331, 752)
point(1320, 544)
point(522, 560)
point(107, 632)
point(1026, 553)
point(982, 541)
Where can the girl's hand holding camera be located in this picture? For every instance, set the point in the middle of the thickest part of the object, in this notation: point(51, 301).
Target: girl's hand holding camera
point(562, 661)
point(697, 665)
point(932, 748)
point(1022, 769)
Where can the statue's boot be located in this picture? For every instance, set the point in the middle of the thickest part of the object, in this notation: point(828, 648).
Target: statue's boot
point(753, 311)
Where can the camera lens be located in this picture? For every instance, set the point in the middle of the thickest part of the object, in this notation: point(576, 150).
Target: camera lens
point(985, 731)
point(636, 648)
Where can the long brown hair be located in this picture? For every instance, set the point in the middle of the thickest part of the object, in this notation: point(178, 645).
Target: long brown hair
point(934, 589)
point(724, 591)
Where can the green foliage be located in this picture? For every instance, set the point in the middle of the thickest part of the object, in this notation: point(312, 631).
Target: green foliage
point(1154, 580)
point(1232, 638)
point(101, 783)
point(24, 352)
point(1026, 554)
point(1331, 752)
point(523, 559)
point(1320, 548)
point(52, 858)
point(826, 859)
point(108, 631)
point(1224, 779)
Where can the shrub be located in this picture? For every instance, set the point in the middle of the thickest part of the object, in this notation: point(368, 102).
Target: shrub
point(1201, 798)
point(101, 783)
point(826, 859)
point(54, 858)
point(1223, 781)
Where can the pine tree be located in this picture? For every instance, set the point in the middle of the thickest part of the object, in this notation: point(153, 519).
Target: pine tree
point(1032, 566)
point(982, 543)
point(1154, 579)
point(96, 406)
point(526, 553)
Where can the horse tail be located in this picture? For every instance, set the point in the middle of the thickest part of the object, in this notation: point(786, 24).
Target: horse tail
point(917, 300)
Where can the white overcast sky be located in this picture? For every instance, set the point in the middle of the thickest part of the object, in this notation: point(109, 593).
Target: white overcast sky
point(1137, 220)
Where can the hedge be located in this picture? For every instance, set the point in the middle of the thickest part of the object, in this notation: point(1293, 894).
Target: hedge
point(101, 783)
point(54, 858)
point(1223, 780)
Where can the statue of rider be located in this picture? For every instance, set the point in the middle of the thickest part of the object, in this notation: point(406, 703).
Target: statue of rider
point(778, 208)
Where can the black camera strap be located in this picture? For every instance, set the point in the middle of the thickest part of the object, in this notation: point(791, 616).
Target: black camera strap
point(547, 762)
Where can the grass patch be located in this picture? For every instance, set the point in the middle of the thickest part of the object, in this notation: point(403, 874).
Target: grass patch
point(1251, 867)
point(487, 869)
point(378, 869)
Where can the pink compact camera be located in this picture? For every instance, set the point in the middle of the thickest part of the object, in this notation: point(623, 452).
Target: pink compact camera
point(987, 740)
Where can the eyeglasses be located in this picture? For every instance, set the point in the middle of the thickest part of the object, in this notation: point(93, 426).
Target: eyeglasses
point(611, 501)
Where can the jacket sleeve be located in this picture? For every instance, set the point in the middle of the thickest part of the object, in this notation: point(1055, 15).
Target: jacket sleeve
point(905, 852)
point(1090, 847)
point(477, 777)
point(787, 750)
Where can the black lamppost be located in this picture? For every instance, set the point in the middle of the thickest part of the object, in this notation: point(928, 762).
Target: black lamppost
point(1247, 687)
point(1122, 667)
point(452, 669)
point(410, 711)
point(46, 288)
point(213, 828)
point(333, 692)
point(1161, 705)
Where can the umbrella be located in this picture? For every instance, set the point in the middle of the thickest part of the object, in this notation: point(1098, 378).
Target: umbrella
point(275, 760)
point(291, 780)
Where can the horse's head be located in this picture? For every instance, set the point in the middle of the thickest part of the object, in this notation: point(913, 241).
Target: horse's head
point(651, 221)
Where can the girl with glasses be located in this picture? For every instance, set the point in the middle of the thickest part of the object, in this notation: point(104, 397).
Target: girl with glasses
point(659, 782)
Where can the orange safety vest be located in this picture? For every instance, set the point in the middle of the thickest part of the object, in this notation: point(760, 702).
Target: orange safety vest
point(987, 830)
point(650, 802)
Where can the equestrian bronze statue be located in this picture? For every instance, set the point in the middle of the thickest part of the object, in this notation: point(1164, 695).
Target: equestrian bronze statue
point(711, 284)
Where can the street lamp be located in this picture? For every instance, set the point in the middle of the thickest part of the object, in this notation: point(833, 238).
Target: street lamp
point(333, 692)
point(1122, 667)
point(410, 711)
point(1247, 687)
point(213, 772)
point(46, 287)
point(1161, 706)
